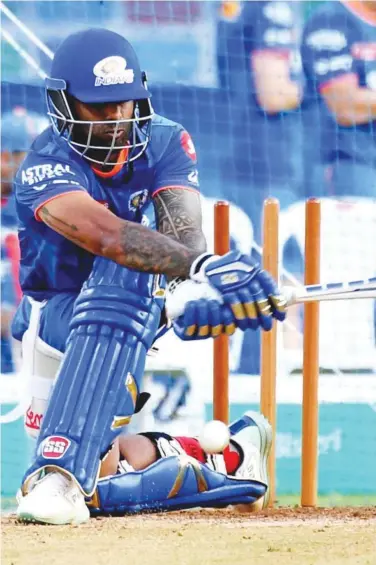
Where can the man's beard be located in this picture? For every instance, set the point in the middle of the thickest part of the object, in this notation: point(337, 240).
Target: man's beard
point(102, 136)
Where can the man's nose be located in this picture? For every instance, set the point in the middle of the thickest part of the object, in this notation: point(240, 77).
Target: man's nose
point(113, 111)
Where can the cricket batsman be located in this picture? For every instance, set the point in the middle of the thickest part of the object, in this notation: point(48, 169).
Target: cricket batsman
point(93, 279)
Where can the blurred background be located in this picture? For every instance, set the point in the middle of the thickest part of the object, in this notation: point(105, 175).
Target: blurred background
point(280, 100)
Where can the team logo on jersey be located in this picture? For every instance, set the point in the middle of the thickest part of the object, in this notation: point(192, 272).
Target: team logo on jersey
point(112, 70)
point(137, 200)
point(54, 447)
point(187, 144)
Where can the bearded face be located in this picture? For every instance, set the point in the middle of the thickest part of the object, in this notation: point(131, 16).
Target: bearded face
point(111, 127)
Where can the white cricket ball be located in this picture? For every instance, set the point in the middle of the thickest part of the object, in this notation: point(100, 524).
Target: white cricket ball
point(214, 437)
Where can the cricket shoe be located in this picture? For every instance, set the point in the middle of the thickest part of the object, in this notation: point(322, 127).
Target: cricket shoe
point(55, 499)
point(252, 435)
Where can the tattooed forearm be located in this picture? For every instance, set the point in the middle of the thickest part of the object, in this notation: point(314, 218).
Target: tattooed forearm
point(130, 244)
point(179, 217)
point(180, 241)
point(151, 252)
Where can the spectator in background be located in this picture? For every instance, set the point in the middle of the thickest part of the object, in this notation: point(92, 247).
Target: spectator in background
point(257, 48)
point(18, 129)
point(339, 59)
point(258, 67)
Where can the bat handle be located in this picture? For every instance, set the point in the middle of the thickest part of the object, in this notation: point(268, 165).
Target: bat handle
point(290, 293)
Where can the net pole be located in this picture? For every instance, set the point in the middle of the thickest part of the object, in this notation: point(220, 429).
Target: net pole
point(269, 339)
point(221, 365)
point(310, 358)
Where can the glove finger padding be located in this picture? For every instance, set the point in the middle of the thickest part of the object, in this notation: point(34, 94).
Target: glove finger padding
point(189, 320)
point(251, 311)
point(214, 318)
point(211, 319)
point(185, 325)
point(263, 307)
point(229, 322)
point(277, 301)
point(235, 302)
point(203, 319)
point(196, 322)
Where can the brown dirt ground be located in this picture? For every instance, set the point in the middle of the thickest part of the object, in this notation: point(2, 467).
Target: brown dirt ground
point(287, 536)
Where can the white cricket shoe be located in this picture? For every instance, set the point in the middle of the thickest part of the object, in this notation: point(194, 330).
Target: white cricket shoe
point(55, 499)
point(255, 442)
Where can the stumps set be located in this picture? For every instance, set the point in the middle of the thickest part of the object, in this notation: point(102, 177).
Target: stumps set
point(268, 362)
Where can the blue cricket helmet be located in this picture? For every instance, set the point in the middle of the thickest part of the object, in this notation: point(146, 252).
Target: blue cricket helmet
point(98, 66)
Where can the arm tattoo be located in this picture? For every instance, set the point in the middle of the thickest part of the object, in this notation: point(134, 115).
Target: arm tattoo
point(180, 241)
point(48, 218)
point(169, 253)
point(70, 231)
point(145, 250)
point(179, 217)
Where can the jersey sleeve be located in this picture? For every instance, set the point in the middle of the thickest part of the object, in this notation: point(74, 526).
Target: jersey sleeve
point(326, 49)
point(178, 165)
point(40, 180)
point(274, 27)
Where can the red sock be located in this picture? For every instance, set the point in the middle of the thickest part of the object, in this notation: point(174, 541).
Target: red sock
point(192, 447)
point(232, 459)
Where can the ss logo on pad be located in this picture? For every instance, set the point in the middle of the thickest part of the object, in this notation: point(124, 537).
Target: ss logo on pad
point(54, 447)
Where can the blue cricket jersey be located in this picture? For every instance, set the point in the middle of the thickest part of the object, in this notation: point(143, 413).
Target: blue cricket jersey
point(50, 263)
point(245, 28)
point(337, 42)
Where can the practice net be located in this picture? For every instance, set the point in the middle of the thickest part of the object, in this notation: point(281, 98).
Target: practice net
point(179, 45)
